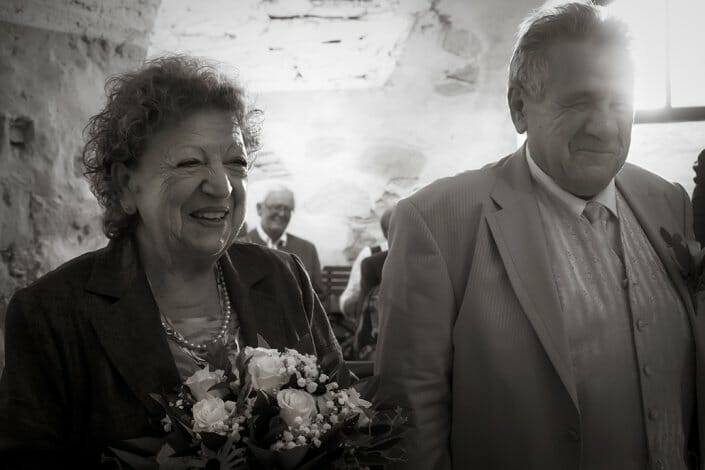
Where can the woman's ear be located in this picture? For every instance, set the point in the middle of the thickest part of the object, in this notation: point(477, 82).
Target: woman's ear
point(121, 175)
point(517, 108)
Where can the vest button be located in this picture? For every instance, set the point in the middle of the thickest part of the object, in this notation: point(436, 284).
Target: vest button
point(573, 435)
point(659, 465)
point(641, 324)
point(648, 371)
point(653, 414)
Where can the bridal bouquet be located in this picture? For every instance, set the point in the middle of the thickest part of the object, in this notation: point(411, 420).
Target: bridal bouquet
point(266, 409)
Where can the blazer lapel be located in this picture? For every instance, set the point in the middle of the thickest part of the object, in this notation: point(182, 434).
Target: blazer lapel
point(521, 240)
point(260, 315)
point(130, 329)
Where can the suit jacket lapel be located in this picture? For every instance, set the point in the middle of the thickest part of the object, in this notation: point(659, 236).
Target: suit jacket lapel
point(130, 329)
point(519, 234)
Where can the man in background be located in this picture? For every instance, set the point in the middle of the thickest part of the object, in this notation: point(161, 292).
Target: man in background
point(274, 212)
point(350, 297)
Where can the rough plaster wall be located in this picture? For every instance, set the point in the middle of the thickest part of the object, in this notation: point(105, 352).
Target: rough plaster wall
point(349, 154)
point(54, 60)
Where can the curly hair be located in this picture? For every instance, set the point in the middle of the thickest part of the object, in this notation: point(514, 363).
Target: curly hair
point(163, 92)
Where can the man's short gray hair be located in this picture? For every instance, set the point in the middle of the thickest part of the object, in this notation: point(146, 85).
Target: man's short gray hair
point(549, 25)
point(276, 188)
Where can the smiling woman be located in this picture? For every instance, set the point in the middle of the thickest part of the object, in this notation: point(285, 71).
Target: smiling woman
point(167, 158)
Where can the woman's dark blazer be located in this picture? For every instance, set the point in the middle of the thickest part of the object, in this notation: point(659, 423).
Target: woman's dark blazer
point(85, 347)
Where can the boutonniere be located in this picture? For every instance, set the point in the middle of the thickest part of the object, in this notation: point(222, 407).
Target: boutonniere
point(689, 257)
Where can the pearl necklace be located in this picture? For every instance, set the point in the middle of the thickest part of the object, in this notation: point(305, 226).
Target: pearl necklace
point(226, 310)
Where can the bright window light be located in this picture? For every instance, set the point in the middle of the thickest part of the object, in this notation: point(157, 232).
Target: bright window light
point(669, 50)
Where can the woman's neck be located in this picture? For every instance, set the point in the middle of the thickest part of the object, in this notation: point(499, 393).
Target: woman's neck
point(182, 290)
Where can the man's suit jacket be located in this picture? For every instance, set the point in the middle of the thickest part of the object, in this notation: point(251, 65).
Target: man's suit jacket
point(371, 272)
point(472, 335)
point(307, 253)
point(85, 347)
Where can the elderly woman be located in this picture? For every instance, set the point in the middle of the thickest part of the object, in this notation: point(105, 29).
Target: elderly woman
point(167, 158)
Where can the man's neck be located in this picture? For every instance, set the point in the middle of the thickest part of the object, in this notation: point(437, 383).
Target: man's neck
point(273, 236)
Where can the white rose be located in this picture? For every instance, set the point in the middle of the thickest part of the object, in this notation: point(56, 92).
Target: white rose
point(355, 399)
point(209, 415)
point(294, 403)
point(201, 381)
point(266, 369)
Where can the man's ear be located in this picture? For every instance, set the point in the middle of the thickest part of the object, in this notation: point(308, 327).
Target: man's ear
point(121, 175)
point(517, 108)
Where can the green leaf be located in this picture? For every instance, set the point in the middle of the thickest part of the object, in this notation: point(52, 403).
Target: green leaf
point(223, 386)
point(217, 357)
point(368, 387)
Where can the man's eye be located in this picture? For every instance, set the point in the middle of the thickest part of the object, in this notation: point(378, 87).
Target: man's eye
point(580, 104)
point(190, 163)
point(237, 162)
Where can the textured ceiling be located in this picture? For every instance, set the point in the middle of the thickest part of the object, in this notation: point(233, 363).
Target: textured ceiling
point(282, 45)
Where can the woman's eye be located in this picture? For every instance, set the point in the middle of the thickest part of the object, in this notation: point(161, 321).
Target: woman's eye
point(190, 163)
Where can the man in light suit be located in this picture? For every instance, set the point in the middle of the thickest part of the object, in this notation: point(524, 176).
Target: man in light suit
point(274, 211)
point(532, 316)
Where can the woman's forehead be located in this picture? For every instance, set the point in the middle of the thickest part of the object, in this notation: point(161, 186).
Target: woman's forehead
point(205, 127)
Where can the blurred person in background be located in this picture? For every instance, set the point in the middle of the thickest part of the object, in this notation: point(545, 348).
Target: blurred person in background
point(274, 212)
point(699, 198)
point(349, 299)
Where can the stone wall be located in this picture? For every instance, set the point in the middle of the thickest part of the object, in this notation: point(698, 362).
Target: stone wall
point(349, 154)
point(55, 57)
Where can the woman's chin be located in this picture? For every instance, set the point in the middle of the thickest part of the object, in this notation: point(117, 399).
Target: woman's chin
point(205, 247)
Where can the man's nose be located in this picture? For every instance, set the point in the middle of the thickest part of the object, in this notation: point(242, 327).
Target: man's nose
point(217, 183)
point(603, 123)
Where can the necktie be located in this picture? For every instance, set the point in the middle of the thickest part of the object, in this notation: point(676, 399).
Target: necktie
point(279, 244)
point(601, 220)
point(598, 215)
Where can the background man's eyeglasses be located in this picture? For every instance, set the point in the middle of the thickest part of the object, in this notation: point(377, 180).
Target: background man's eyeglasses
point(279, 208)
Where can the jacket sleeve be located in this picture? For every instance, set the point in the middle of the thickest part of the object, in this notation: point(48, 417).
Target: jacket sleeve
point(321, 332)
point(33, 398)
point(317, 275)
point(414, 352)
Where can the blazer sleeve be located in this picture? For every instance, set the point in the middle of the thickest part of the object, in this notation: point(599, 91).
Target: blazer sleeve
point(321, 332)
point(414, 352)
point(366, 277)
point(33, 403)
point(316, 274)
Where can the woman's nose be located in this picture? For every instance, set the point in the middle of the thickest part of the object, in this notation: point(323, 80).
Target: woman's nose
point(217, 183)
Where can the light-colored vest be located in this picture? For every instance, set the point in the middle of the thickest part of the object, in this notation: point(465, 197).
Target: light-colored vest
point(630, 341)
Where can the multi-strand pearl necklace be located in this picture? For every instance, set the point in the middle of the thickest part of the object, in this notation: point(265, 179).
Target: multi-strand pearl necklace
point(226, 311)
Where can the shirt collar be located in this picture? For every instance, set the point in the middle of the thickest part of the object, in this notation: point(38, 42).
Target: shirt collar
point(607, 197)
point(271, 244)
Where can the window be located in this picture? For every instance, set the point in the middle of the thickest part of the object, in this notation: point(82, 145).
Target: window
point(669, 49)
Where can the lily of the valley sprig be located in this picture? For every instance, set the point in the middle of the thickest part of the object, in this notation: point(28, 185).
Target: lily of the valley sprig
point(689, 257)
